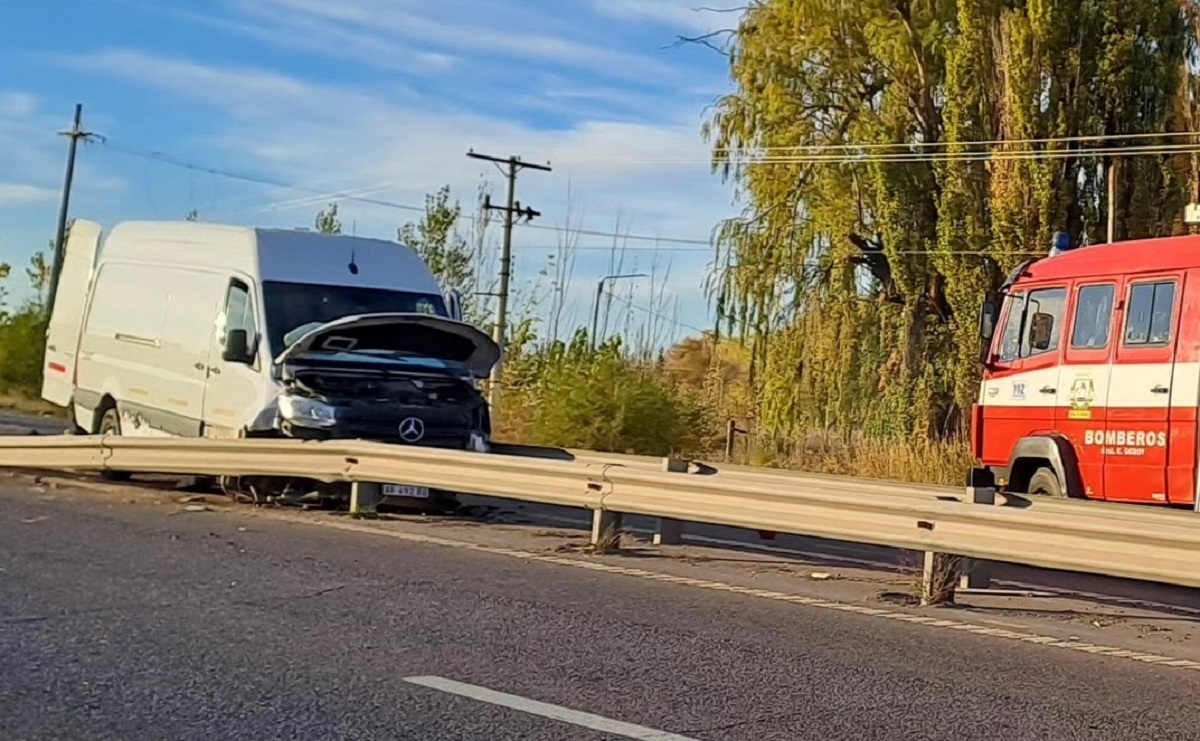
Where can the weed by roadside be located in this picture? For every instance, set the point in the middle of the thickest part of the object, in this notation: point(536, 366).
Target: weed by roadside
point(32, 406)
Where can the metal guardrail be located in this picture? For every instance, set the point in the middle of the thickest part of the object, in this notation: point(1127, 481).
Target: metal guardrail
point(1130, 542)
point(568, 483)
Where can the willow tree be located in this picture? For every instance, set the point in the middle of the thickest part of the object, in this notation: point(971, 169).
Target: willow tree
point(875, 222)
point(1054, 71)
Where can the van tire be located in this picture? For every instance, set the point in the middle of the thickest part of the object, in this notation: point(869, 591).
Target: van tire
point(110, 424)
point(1045, 484)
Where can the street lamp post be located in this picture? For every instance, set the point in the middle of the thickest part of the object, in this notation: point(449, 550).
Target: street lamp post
point(600, 295)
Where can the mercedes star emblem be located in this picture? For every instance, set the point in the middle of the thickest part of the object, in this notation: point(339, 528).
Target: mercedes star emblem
point(412, 430)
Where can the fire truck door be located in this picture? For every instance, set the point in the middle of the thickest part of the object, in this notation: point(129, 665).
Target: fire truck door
point(1137, 435)
point(1084, 378)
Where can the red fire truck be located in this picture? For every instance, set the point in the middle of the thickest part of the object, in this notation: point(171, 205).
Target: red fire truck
point(1091, 374)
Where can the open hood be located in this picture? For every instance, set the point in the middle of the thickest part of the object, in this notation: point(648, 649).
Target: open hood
point(413, 335)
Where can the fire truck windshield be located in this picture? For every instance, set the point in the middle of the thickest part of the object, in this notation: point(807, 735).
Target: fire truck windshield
point(1010, 339)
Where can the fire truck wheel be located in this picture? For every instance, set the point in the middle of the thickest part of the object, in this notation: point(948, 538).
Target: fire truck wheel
point(1045, 484)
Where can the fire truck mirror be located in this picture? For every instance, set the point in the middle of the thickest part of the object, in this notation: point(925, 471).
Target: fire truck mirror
point(1041, 330)
point(987, 320)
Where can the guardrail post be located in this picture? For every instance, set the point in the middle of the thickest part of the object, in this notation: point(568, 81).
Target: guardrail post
point(606, 530)
point(606, 524)
point(670, 531)
point(365, 497)
point(938, 578)
point(981, 489)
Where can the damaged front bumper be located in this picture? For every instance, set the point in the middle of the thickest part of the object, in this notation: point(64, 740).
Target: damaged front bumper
point(339, 403)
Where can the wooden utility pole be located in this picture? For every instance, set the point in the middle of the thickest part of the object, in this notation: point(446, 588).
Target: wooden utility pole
point(511, 166)
point(73, 136)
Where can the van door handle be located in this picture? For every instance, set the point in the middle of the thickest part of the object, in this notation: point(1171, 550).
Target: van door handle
point(1049, 390)
point(199, 366)
point(215, 371)
point(1159, 389)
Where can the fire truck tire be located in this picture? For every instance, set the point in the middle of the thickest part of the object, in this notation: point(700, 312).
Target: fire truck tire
point(1045, 483)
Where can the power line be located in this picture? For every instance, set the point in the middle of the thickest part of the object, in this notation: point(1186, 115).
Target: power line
point(850, 156)
point(977, 143)
point(350, 196)
point(687, 244)
point(653, 312)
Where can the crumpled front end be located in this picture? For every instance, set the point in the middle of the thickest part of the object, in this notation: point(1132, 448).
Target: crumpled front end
point(351, 400)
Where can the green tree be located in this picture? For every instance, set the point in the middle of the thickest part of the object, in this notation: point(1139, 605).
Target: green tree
point(38, 273)
point(438, 240)
point(856, 272)
point(327, 221)
point(23, 333)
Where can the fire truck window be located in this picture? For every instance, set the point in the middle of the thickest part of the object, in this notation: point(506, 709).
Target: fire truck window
point(1010, 339)
point(1150, 308)
point(1093, 317)
point(1051, 301)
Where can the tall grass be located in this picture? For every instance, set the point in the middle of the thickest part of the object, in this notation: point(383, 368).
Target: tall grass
point(915, 460)
point(573, 396)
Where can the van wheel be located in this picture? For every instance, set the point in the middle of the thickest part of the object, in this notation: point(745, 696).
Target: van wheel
point(110, 424)
point(1045, 484)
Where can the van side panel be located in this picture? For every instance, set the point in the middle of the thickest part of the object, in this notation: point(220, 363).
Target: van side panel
point(188, 327)
point(120, 345)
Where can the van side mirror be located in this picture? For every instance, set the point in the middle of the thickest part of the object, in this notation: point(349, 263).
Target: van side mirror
point(237, 347)
point(988, 316)
point(454, 305)
point(1041, 329)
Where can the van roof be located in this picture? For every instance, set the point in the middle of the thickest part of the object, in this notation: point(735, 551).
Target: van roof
point(293, 255)
point(1135, 256)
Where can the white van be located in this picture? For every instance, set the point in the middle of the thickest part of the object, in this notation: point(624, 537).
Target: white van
point(192, 329)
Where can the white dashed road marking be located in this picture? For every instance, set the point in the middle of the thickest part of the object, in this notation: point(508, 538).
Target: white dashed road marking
point(546, 710)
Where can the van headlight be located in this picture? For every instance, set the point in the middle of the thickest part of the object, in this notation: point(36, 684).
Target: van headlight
point(307, 412)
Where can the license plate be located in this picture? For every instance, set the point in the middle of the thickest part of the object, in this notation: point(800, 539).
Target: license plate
point(404, 490)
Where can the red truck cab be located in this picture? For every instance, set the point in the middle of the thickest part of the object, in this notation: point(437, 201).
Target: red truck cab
point(1091, 374)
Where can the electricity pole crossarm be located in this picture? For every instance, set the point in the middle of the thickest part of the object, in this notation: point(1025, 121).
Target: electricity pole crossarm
point(73, 136)
point(512, 210)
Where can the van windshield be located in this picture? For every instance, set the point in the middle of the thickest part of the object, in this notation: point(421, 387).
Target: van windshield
point(291, 305)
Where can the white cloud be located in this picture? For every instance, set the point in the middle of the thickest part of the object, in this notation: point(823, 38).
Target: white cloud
point(17, 104)
point(20, 194)
point(366, 29)
point(315, 35)
point(399, 147)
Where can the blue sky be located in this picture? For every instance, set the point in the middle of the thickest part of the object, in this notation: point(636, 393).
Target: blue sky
point(378, 99)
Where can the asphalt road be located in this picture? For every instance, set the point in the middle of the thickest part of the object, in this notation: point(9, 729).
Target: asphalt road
point(22, 424)
point(1100, 589)
point(131, 621)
